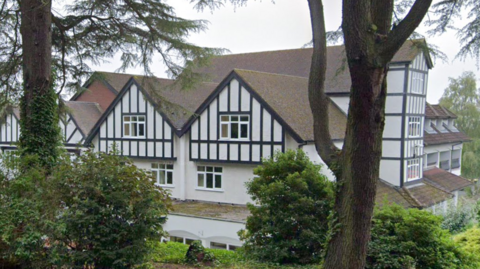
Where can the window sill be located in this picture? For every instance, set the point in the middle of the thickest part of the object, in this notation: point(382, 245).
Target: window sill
point(211, 190)
point(165, 186)
point(134, 137)
point(234, 139)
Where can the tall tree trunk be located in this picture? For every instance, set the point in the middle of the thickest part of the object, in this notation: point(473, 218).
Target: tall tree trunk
point(370, 44)
point(39, 117)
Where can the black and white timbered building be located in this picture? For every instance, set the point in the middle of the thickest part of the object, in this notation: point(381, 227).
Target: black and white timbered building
point(203, 144)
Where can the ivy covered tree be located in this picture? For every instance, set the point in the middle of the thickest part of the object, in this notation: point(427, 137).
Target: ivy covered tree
point(42, 40)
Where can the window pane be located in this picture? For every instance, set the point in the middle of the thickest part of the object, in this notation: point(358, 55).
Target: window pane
point(155, 175)
point(141, 129)
point(218, 181)
point(201, 180)
point(218, 169)
point(200, 168)
point(234, 130)
point(141, 119)
point(244, 118)
point(134, 129)
point(244, 131)
point(209, 169)
point(231, 247)
point(218, 245)
point(170, 166)
point(169, 177)
point(225, 118)
point(126, 129)
point(210, 181)
point(134, 118)
point(162, 177)
point(224, 133)
point(154, 165)
point(188, 241)
point(234, 118)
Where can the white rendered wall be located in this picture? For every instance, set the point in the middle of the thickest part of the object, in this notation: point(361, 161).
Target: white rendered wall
point(204, 229)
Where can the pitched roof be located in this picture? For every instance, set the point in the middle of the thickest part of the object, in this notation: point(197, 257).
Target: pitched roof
point(386, 192)
point(85, 114)
point(446, 180)
point(176, 104)
point(288, 97)
point(438, 112)
point(436, 137)
point(296, 62)
point(426, 194)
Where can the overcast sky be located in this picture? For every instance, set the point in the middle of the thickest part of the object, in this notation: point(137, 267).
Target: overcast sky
point(285, 24)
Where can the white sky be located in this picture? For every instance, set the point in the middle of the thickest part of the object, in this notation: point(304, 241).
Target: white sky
point(285, 24)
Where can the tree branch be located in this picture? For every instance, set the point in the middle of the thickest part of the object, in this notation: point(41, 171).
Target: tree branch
point(404, 29)
point(319, 101)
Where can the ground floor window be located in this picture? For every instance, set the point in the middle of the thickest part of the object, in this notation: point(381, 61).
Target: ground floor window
point(209, 177)
point(217, 245)
point(163, 173)
point(183, 240)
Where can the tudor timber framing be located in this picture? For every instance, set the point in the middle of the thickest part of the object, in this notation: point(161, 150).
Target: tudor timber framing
point(158, 143)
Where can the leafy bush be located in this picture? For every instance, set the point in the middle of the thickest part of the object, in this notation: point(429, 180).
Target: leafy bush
point(289, 220)
point(457, 219)
point(413, 238)
point(469, 241)
point(112, 209)
point(27, 210)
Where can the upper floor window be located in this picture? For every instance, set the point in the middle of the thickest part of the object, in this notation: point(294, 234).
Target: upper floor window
point(163, 173)
point(234, 126)
point(414, 126)
point(209, 177)
point(413, 169)
point(417, 82)
point(134, 126)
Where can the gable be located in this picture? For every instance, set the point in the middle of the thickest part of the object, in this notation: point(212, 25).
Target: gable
point(155, 137)
point(234, 104)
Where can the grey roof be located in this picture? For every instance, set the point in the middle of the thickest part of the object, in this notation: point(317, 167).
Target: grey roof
point(288, 97)
point(296, 62)
point(85, 114)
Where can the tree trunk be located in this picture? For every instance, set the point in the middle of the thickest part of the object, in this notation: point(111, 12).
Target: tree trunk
point(38, 105)
point(360, 162)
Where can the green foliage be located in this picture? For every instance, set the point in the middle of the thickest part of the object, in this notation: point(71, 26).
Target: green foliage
point(196, 254)
point(111, 211)
point(413, 238)
point(40, 133)
point(471, 159)
point(28, 207)
point(469, 241)
point(289, 220)
point(90, 211)
point(457, 219)
point(462, 98)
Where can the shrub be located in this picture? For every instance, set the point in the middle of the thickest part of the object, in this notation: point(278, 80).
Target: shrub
point(112, 209)
point(289, 220)
point(457, 219)
point(469, 241)
point(412, 238)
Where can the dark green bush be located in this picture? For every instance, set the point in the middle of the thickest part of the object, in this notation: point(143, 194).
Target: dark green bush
point(413, 238)
point(112, 209)
point(293, 202)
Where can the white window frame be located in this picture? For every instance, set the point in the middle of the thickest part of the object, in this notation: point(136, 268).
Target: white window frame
point(238, 120)
point(223, 246)
point(166, 169)
point(204, 172)
point(418, 82)
point(413, 169)
point(134, 123)
point(414, 126)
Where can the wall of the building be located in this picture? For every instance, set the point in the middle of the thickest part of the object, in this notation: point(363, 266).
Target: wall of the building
point(99, 93)
point(70, 133)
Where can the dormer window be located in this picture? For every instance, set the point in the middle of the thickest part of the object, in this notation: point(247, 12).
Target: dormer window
point(234, 126)
point(134, 126)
